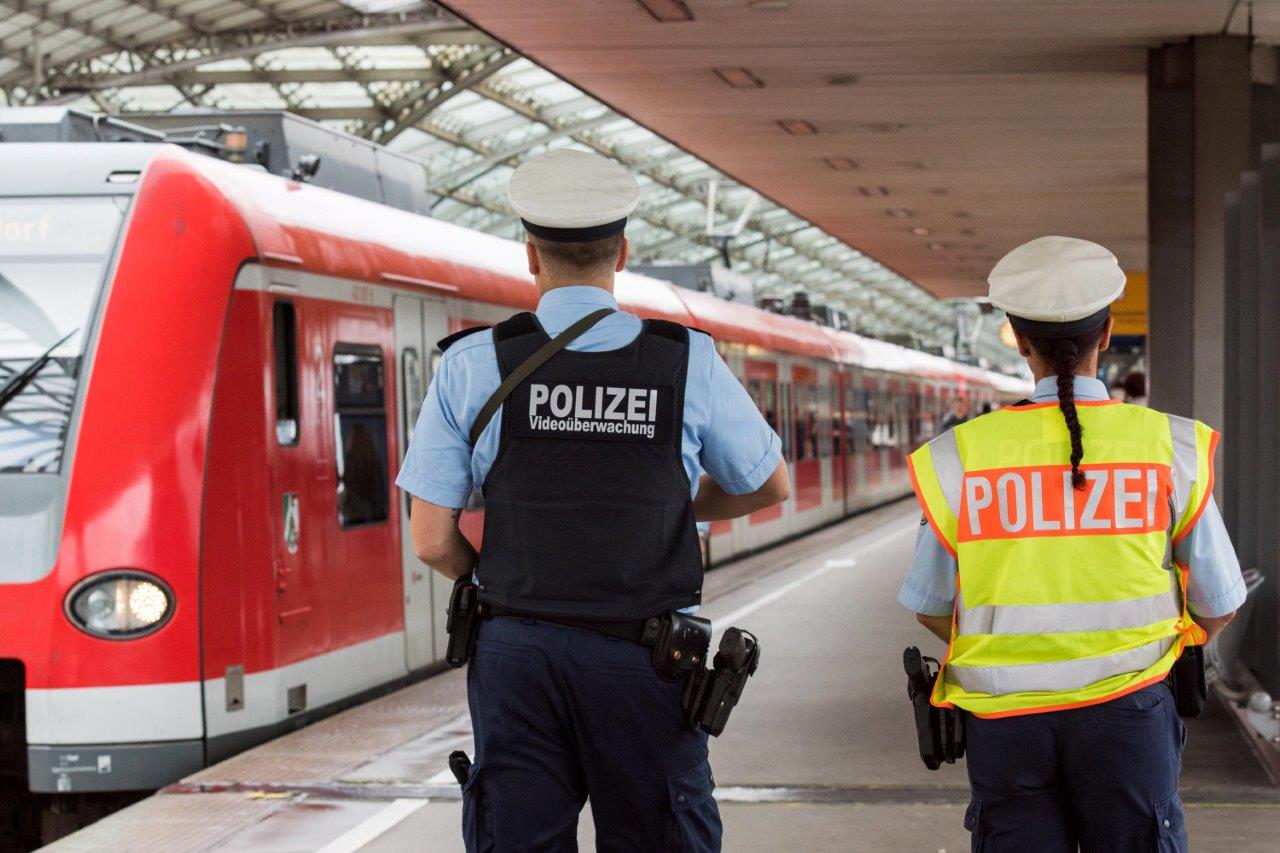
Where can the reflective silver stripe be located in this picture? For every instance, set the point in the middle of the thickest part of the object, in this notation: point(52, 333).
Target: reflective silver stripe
point(1185, 464)
point(1055, 618)
point(1056, 677)
point(947, 467)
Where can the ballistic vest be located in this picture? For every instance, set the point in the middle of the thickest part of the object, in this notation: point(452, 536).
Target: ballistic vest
point(588, 512)
point(1064, 597)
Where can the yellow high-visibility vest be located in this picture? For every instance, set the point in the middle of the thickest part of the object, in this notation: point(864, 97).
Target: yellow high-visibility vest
point(1064, 597)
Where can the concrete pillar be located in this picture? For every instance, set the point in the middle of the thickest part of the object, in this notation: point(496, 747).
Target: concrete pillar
point(1213, 114)
point(1198, 142)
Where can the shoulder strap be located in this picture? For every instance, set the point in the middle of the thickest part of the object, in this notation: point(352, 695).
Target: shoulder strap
point(445, 343)
point(529, 365)
point(524, 323)
point(667, 329)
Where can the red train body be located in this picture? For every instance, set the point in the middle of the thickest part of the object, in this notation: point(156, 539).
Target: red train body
point(254, 358)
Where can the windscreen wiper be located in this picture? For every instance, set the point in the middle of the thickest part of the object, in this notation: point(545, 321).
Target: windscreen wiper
point(19, 380)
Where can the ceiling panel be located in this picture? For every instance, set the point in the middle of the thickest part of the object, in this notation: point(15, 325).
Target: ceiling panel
point(988, 122)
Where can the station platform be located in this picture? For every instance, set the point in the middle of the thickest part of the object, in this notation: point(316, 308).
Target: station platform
point(820, 756)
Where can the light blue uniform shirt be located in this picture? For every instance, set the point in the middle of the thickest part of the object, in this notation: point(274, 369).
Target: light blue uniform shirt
point(724, 434)
point(1215, 586)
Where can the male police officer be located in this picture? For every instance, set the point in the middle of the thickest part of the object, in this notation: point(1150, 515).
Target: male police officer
point(593, 473)
point(1069, 543)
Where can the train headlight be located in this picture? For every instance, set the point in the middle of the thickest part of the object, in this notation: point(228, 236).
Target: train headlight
point(120, 605)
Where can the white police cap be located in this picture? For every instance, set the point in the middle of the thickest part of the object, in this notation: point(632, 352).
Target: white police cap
point(1056, 287)
point(572, 196)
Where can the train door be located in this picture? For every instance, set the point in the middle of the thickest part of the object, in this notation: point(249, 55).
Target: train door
point(420, 322)
point(296, 517)
point(768, 524)
point(719, 543)
point(835, 391)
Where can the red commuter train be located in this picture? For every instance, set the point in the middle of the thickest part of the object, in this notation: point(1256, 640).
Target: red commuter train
point(210, 375)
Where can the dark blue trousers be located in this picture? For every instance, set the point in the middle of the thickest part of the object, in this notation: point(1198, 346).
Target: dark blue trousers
point(1100, 778)
point(561, 715)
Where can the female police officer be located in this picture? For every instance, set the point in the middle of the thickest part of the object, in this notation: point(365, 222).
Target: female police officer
point(1073, 539)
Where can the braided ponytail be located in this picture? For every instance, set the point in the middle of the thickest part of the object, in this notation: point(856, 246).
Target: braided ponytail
point(1063, 356)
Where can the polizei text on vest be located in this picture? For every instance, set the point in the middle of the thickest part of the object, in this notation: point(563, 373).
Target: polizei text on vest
point(600, 409)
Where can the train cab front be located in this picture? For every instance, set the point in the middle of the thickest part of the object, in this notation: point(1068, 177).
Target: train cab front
point(99, 522)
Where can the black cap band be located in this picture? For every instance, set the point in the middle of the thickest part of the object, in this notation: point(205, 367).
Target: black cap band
point(1069, 329)
point(575, 235)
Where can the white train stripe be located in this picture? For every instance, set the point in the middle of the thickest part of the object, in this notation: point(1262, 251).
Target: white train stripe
point(124, 714)
point(329, 677)
point(144, 713)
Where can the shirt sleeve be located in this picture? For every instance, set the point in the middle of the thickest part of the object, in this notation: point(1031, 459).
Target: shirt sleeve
point(437, 466)
point(739, 448)
point(930, 587)
point(1215, 585)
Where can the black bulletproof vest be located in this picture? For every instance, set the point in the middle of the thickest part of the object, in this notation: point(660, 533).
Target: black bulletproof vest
point(587, 506)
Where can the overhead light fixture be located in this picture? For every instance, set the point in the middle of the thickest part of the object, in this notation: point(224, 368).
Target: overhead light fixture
point(921, 231)
point(739, 78)
point(874, 192)
point(797, 127)
point(900, 213)
point(667, 10)
point(840, 164)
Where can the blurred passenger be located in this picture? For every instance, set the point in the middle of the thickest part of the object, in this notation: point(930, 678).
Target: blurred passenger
point(1135, 388)
point(959, 413)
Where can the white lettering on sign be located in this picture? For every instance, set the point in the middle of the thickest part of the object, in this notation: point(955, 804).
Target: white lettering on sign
point(24, 230)
point(600, 410)
point(1040, 501)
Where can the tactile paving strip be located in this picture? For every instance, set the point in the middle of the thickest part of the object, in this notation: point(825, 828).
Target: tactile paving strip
point(172, 823)
point(324, 750)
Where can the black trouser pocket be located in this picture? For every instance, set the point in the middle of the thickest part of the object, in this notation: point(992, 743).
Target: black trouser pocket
point(695, 819)
point(475, 831)
point(1171, 826)
point(973, 823)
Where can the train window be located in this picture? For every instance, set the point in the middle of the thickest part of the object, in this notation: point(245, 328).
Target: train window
point(836, 422)
point(284, 324)
point(411, 401)
point(765, 395)
point(360, 429)
point(414, 390)
point(53, 256)
point(808, 431)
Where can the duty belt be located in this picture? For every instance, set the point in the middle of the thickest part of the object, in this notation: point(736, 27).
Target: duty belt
point(679, 642)
point(643, 631)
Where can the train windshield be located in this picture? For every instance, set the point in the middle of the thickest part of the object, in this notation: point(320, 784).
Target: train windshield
point(54, 254)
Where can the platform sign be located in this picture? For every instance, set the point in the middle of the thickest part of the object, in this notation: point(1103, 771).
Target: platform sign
point(1130, 311)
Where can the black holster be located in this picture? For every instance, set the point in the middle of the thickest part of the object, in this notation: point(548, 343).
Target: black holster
point(940, 731)
point(462, 621)
point(680, 643)
point(1187, 682)
point(712, 694)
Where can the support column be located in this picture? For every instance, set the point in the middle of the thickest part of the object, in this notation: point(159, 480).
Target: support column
point(1213, 106)
point(1198, 143)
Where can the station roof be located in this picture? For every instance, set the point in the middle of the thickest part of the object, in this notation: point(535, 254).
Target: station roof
point(973, 126)
point(938, 140)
